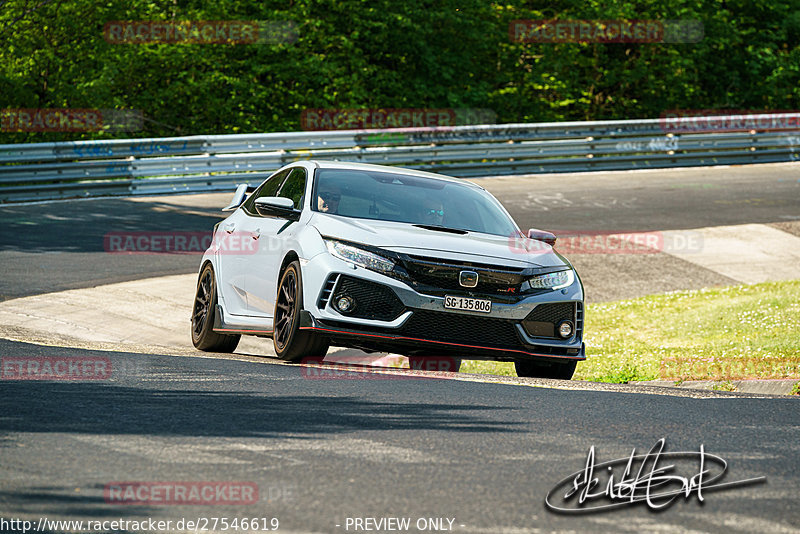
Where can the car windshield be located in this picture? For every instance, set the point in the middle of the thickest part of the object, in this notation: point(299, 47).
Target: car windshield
point(417, 200)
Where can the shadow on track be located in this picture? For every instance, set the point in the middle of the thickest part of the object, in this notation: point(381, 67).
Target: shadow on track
point(81, 226)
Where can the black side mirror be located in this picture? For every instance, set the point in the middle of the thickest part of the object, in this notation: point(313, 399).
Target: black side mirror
point(276, 207)
point(541, 235)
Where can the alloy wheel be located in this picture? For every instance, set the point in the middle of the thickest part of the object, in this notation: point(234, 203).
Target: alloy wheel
point(284, 309)
point(202, 303)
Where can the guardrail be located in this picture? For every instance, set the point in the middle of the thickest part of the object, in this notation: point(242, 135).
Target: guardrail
point(213, 162)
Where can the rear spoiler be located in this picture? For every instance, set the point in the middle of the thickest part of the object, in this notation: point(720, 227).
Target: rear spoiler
point(239, 196)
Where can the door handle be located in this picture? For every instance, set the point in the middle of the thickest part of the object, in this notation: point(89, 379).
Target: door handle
point(256, 234)
point(229, 228)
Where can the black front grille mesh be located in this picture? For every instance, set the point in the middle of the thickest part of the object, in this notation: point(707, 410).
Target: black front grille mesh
point(446, 277)
point(462, 329)
point(553, 313)
point(373, 301)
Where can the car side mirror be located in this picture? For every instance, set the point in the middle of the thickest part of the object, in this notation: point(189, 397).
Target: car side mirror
point(541, 235)
point(276, 207)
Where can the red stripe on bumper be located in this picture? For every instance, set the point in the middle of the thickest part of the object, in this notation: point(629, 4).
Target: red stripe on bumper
point(404, 338)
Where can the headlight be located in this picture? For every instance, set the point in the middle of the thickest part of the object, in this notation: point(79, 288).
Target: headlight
point(359, 256)
point(555, 280)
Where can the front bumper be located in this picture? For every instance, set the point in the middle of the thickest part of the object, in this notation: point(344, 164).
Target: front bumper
point(418, 323)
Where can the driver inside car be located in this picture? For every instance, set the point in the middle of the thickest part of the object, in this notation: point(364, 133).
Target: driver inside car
point(328, 199)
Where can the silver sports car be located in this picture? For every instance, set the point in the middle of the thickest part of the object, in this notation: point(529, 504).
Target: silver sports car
point(386, 259)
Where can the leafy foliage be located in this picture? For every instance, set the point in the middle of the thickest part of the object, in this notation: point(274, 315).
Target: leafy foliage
point(389, 54)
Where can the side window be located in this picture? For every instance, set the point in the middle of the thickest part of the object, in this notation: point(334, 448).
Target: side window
point(294, 187)
point(268, 189)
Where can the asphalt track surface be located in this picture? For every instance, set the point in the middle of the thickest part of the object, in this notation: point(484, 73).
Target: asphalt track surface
point(368, 444)
point(54, 246)
point(324, 450)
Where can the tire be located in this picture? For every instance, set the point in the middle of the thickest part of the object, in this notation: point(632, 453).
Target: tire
point(205, 303)
point(545, 369)
point(434, 363)
point(291, 343)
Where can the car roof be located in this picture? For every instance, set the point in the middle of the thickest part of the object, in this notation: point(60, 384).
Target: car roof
point(385, 168)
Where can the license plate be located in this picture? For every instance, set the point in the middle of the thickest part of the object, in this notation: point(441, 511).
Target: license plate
point(468, 304)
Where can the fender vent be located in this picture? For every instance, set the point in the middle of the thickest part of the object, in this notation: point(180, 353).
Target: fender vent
point(327, 291)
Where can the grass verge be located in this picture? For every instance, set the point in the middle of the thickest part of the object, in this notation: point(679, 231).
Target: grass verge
point(722, 334)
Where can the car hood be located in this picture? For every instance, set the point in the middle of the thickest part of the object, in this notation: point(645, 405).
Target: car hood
point(513, 251)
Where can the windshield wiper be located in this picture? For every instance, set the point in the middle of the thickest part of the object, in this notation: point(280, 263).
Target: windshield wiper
point(437, 228)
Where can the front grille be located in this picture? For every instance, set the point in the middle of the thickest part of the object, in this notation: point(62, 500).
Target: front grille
point(444, 275)
point(373, 301)
point(544, 318)
point(462, 329)
point(466, 264)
